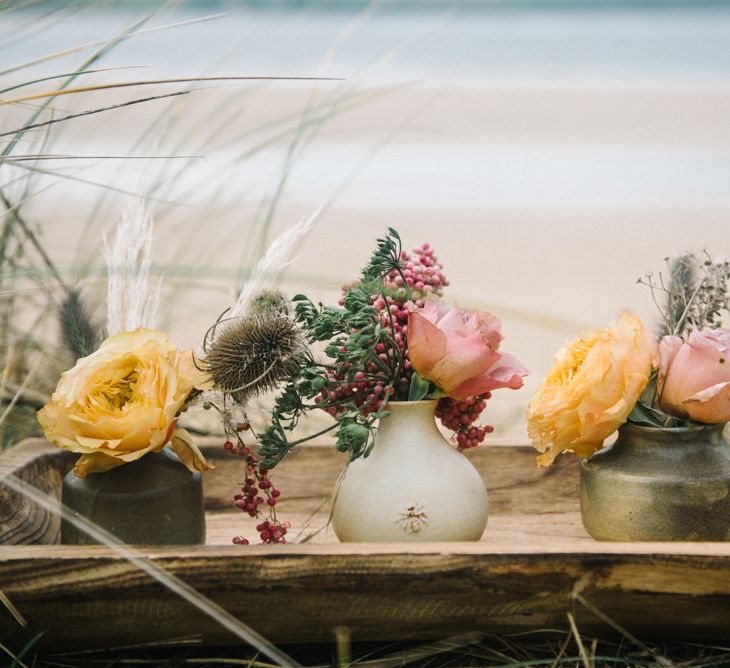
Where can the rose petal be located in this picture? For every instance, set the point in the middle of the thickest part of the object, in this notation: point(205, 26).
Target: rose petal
point(95, 463)
point(433, 309)
point(466, 358)
point(183, 446)
point(426, 343)
point(507, 372)
point(713, 343)
point(457, 321)
point(666, 352)
point(490, 327)
point(711, 405)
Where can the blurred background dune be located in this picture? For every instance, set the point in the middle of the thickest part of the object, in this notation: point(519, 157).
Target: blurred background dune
point(551, 153)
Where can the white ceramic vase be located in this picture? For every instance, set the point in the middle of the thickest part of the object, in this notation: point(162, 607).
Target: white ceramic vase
point(413, 486)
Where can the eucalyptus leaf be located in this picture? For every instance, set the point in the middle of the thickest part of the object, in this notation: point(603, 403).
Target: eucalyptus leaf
point(642, 414)
point(648, 396)
point(419, 388)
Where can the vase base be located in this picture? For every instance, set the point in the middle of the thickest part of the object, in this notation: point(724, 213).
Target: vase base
point(658, 485)
point(153, 501)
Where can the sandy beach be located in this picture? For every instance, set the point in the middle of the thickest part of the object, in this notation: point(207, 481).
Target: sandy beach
point(547, 188)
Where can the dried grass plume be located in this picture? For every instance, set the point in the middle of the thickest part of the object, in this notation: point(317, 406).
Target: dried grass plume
point(130, 303)
point(271, 264)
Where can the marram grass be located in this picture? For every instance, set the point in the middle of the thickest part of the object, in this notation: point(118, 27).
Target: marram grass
point(33, 125)
point(548, 648)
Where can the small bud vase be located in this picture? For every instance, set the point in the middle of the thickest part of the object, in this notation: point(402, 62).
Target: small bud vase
point(659, 485)
point(153, 501)
point(412, 487)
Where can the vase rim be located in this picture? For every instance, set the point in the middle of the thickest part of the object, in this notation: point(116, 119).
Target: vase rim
point(674, 430)
point(421, 402)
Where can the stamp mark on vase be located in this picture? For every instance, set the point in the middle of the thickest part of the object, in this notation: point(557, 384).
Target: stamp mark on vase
point(413, 520)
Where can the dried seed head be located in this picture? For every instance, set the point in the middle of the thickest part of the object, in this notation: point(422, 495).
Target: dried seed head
point(269, 300)
point(255, 353)
point(79, 332)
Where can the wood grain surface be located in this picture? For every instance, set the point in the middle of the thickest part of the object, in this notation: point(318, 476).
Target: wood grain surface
point(43, 465)
point(534, 564)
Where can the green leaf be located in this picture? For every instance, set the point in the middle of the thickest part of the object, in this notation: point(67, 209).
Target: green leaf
point(385, 257)
point(18, 658)
point(352, 435)
point(318, 383)
point(649, 395)
point(642, 414)
point(419, 388)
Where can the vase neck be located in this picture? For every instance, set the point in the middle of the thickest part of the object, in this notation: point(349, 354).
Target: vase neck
point(638, 436)
point(405, 419)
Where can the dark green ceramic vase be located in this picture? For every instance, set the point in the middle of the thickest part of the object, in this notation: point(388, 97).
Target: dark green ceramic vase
point(659, 485)
point(153, 501)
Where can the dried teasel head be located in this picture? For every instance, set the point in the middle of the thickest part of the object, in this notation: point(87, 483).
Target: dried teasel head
point(255, 353)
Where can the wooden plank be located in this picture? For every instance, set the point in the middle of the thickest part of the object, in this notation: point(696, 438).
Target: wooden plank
point(37, 462)
point(300, 593)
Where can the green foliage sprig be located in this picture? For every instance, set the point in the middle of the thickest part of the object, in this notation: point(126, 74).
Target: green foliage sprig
point(385, 257)
point(353, 335)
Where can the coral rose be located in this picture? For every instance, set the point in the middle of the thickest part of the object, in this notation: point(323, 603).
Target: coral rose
point(694, 376)
point(457, 350)
point(591, 388)
point(122, 402)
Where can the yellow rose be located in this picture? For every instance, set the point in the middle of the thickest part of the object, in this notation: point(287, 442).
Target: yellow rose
point(122, 402)
point(591, 388)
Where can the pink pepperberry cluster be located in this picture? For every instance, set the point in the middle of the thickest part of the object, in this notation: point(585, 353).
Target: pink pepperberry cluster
point(366, 390)
point(269, 532)
point(422, 272)
point(257, 490)
point(459, 416)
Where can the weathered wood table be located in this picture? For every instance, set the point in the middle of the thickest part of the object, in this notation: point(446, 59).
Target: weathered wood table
point(534, 564)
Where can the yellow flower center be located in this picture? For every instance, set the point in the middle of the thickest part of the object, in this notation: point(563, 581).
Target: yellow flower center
point(116, 392)
point(577, 353)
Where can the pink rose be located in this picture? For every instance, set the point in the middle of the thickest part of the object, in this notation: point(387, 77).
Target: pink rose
point(456, 349)
point(694, 376)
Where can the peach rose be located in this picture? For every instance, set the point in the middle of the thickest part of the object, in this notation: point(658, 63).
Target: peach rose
point(694, 376)
point(591, 389)
point(122, 402)
point(456, 349)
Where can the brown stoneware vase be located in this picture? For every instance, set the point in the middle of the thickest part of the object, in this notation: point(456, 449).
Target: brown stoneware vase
point(153, 501)
point(659, 485)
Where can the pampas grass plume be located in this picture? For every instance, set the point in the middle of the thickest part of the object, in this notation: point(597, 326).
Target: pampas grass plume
point(130, 303)
point(271, 264)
